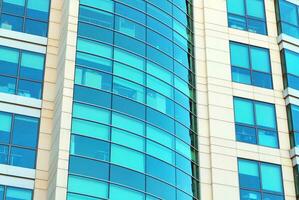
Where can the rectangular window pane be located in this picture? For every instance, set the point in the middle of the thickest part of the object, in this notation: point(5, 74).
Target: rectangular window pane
point(265, 115)
point(128, 123)
point(18, 194)
point(255, 8)
point(5, 127)
point(91, 113)
point(22, 157)
point(127, 139)
point(106, 5)
point(260, 59)
point(160, 152)
point(32, 66)
point(95, 48)
point(38, 9)
point(239, 55)
point(271, 178)
point(243, 106)
point(236, 7)
point(249, 174)
point(117, 192)
point(9, 60)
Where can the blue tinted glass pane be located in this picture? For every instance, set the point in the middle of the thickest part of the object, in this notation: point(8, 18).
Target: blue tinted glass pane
point(159, 27)
point(163, 5)
point(290, 29)
point(5, 127)
point(246, 134)
point(161, 170)
point(88, 186)
point(183, 149)
point(257, 26)
point(242, 106)
point(160, 136)
point(127, 139)
point(3, 154)
point(183, 116)
point(11, 23)
point(88, 31)
point(249, 195)
point(184, 182)
point(22, 157)
point(236, 7)
point(1, 192)
point(127, 177)
point(117, 192)
point(241, 75)
point(32, 66)
point(260, 59)
point(134, 3)
point(295, 117)
point(271, 178)
point(128, 123)
point(91, 113)
point(129, 44)
point(106, 5)
point(289, 11)
point(95, 16)
point(272, 197)
point(89, 147)
point(130, 28)
point(160, 102)
point(30, 89)
point(159, 151)
point(7, 85)
point(160, 72)
point(90, 129)
point(94, 62)
point(268, 138)
point(38, 9)
point(236, 22)
point(128, 89)
point(95, 48)
point(159, 57)
point(293, 82)
point(160, 189)
point(92, 96)
point(127, 158)
point(92, 78)
point(265, 115)
point(18, 194)
point(130, 73)
point(261, 79)
point(9, 59)
point(159, 42)
point(160, 120)
point(14, 6)
point(89, 168)
point(255, 8)
point(79, 197)
point(130, 13)
point(129, 59)
point(249, 174)
point(25, 131)
point(239, 55)
point(36, 27)
point(292, 60)
point(159, 14)
point(184, 164)
point(160, 86)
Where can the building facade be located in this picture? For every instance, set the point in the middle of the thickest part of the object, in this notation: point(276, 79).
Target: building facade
point(149, 99)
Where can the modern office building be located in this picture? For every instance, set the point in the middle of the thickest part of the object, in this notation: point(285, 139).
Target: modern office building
point(149, 99)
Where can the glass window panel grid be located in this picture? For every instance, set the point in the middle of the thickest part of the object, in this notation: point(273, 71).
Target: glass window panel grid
point(289, 67)
point(288, 22)
point(20, 75)
point(181, 95)
point(262, 182)
point(252, 133)
point(35, 16)
point(15, 147)
point(10, 192)
point(246, 18)
point(250, 71)
point(293, 123)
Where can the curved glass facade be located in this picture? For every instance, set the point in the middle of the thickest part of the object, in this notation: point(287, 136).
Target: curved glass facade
point(134, 132)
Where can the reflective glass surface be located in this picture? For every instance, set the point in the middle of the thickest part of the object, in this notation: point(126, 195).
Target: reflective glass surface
point(14, 193)
point(28, 16)
point(259, 125)
point(134, 116)
point(293, 119)
point(290, 61)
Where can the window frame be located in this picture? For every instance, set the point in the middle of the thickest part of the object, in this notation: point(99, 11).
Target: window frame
point(5, 188)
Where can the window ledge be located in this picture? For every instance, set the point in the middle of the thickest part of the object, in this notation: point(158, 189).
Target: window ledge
point(294, 1)
point(21, 100)
point(17, 171)
point(23, 37)
point(288, 42)
point(290, 92)
point(16, 182)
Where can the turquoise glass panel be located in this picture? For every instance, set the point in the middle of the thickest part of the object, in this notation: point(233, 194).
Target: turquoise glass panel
point(239, 55)
point(289, 11)
point(271, 178)
point(182, 86)
point(94, 62)
point(90, 129)
point(292, 60)
point(5, 120)
point(128, 123)
point(130, 73)
point(255, 8)
point(183, 148)
point(260, 59)
point(18, 194)
point(236, 7)
point(87, 186)
point(118, 193)
point(9, 59)
point(295, 117)
point(242, 106)
point(159, 72)
point(79, 197)
point(95, 48)
point(160, 136)
point(91, 113)
point(38, 9)
point(127, 139)
point(249, 174)
point(265, 115)
point(268, 138)
point(106, 5)
point(129, 59)
point(127, 158)
point(159, 151)
point(160, 86)
point(32, 66)
point(160, 102)
point(130, 28)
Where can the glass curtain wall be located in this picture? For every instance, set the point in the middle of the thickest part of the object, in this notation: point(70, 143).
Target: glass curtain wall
point(134, 130)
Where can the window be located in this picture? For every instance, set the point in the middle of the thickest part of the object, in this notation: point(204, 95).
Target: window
point(11, 193)
point(258, 126)
point(290, 61)
point(293, 118)
point(18, 147)
point(287, 18)
point(259, 180)
point(160, 189)
point(250, 65)
point(247, 15)
point(118, 192)
point(26, 16)
point(21, 72)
